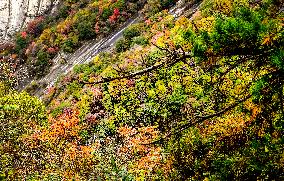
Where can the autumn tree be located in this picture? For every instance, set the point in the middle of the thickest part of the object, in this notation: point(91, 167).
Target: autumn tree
point(20, 114)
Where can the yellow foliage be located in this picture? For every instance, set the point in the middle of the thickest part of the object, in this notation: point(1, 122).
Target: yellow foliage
point(182, 23)
point(217, 6)
point(266, 41)
point(232, 123)
point(64, 26)
point(206, 24)
point(96, 60)
point(109, 72)
point(45, 36)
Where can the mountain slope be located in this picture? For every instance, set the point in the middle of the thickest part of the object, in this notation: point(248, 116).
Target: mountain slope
point(196, 97)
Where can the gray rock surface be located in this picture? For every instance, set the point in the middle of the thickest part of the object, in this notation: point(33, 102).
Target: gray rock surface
point(14, 14)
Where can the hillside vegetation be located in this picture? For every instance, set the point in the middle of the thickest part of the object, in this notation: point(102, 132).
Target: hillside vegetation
point(66, 30)
point(192, 98)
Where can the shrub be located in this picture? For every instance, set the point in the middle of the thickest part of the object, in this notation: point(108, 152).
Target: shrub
point(59, 110)
point(42, 63)
point(63, 12)
point(106, 14)
point(70, 43)
point(21, 43)
point(216, 6)
point(36, 26)
point(131, 32)
point(140, 40)
point(122, 45)
point(152, 7)
point(85, 29)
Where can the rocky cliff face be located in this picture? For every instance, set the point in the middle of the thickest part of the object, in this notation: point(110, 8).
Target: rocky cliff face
point(14, 14)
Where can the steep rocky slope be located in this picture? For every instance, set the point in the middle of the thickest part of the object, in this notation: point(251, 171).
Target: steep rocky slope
point(14, 14)
point(194, 94)
point(90, 49)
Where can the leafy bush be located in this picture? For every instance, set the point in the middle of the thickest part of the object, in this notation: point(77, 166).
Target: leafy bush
point(70, 43)
point(107, 12)
point(63, 12)
point(210, 7)
point(36, 26)
point(86, 30)
point(42, 63)
point(132, 31)
point(19, 113)
point(140, 40)
point(21, 43)
point(59, 109)
point(122, 45)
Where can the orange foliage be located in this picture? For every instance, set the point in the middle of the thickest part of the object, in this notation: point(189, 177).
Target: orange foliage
point(232, 126)
point(60, 145)
point(14, 56)
point(64, 27)
point(137, 143)
point(64, 126)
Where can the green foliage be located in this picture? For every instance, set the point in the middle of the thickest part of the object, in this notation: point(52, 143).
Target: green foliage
point(19, 114)
point(74, 89)
point(70, 43)
point(107, 12)
point(152, 7)
point(85, 30)
point(59, 109)
point(21, 106)
point(21, 44)
point(42, 63)
point(131, 32)
point(205, 103)
point(155, 6)
point(122, 45)
point(140, 40)
point(277, 59)
point(258, 87)
point(63, 12)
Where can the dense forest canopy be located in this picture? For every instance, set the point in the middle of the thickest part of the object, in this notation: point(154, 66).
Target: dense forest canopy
point(196, 97)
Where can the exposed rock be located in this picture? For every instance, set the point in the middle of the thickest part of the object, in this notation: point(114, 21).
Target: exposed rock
point(14, 14)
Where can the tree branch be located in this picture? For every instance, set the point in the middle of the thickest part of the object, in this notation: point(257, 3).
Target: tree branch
point(200, 119)
point(141, 72)
point(130, 75)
